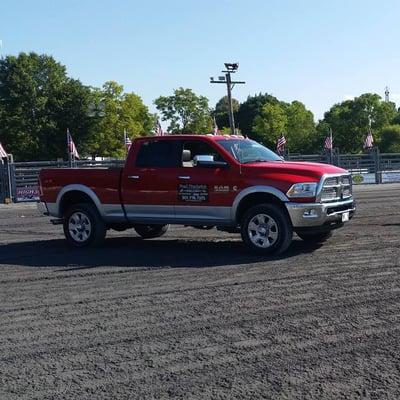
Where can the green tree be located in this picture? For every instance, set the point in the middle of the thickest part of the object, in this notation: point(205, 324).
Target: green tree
point(269, 124)
point(185, 111)
point(121, 112)
point(294, 120)
point(250, 109)
point(349, 120)
point(38, 103)
point(396, 119)
point(221, 112)
point(322, 131)
point(300, 128)
point(390, 139)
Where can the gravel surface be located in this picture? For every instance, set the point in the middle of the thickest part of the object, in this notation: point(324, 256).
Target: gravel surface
point(192, 315)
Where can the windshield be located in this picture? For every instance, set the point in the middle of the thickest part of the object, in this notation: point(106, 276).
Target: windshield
point(247, 151)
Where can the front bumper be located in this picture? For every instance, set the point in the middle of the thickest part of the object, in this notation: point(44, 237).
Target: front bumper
point(305, 215)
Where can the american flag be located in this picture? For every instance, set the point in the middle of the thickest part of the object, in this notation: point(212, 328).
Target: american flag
point(216, 130)
point(71, 146)
point(3, 153)
point(368, 141)
point(280, 144)
point(159, 131)
point(329, 141)
point(127, 141)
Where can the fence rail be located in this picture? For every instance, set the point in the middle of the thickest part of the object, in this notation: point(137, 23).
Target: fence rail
point(19, 180)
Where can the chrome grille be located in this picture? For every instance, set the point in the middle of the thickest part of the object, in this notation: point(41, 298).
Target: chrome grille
point(336, 188)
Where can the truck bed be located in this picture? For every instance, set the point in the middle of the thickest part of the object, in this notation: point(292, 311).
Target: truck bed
point(104, 182)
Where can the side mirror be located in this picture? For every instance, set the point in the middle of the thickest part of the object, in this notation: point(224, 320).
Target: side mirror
point(186, 155)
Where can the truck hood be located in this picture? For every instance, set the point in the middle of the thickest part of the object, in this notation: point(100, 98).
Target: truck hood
point(289, 171)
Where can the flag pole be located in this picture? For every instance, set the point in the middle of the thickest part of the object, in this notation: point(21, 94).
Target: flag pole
point(125, 143)
point(69, 149)
point(331, 149)
point(70, 158)
point(10, 160)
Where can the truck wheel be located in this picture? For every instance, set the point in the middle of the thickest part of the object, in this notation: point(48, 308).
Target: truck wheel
point(266, 229)
point(83, 225)
point(151, 231)
point(315, 237)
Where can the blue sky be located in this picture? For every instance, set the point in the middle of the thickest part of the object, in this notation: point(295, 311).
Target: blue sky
point(318, 52)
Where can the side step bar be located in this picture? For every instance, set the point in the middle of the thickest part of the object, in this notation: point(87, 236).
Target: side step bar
point(58, 221)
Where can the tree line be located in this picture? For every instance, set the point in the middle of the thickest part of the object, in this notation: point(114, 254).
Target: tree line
point(39, 101)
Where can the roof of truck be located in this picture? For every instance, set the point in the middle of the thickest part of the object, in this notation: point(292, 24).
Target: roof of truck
point(194, 136)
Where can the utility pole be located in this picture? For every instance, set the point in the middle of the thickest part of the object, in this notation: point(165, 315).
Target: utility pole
point(231, 68)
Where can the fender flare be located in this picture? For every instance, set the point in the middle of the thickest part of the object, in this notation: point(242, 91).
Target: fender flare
point(79, 188)
point(256, 189)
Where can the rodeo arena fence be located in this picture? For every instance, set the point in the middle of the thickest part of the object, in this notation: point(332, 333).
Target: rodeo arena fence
point(19, 180)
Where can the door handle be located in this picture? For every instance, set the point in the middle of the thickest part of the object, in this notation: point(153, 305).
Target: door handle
point(184, 177)
point(133, 176)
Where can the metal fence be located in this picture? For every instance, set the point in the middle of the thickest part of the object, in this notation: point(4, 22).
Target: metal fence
point(372, 167)
point(25, 175)
point(4, 189)
point(22, 177)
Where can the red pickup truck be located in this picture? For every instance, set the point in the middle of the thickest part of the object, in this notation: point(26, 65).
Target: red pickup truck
point(228, 182)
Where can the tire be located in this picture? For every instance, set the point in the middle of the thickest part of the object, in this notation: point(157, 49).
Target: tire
point(266, 229)
point(118, 228)
point(83, 226)
point(315, 237)
point(151, 231)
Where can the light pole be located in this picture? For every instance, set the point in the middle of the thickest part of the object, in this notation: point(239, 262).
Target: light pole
point(231, 68)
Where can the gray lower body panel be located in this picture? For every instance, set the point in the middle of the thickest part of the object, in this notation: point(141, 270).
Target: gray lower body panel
point(135, 211)
point(180, 215)
point(155, 214)
point(203, 212)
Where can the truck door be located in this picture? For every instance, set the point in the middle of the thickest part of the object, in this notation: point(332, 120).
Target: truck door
point(204, 193)
point(149, 183)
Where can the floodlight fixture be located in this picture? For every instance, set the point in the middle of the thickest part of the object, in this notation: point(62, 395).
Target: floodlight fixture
point(231, 67)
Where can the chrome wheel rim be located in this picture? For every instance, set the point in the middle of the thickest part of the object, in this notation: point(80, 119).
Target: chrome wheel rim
point(263, 231)
point(79, 227)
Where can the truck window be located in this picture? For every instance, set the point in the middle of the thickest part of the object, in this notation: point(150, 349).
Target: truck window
point(158, 154)
point(199, 148)
point(247, 151)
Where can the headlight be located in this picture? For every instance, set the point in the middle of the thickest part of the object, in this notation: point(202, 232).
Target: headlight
point(302, 190)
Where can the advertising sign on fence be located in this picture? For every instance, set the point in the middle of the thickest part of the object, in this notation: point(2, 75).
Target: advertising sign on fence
point(363, 178)
point(30, 193)
point(390, 176)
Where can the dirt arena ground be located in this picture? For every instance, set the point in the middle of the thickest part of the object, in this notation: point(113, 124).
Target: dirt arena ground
point(193, 316)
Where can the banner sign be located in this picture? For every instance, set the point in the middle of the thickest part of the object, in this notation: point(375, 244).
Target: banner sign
point(363, 178)
point(30, 193)
point(390, 176)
